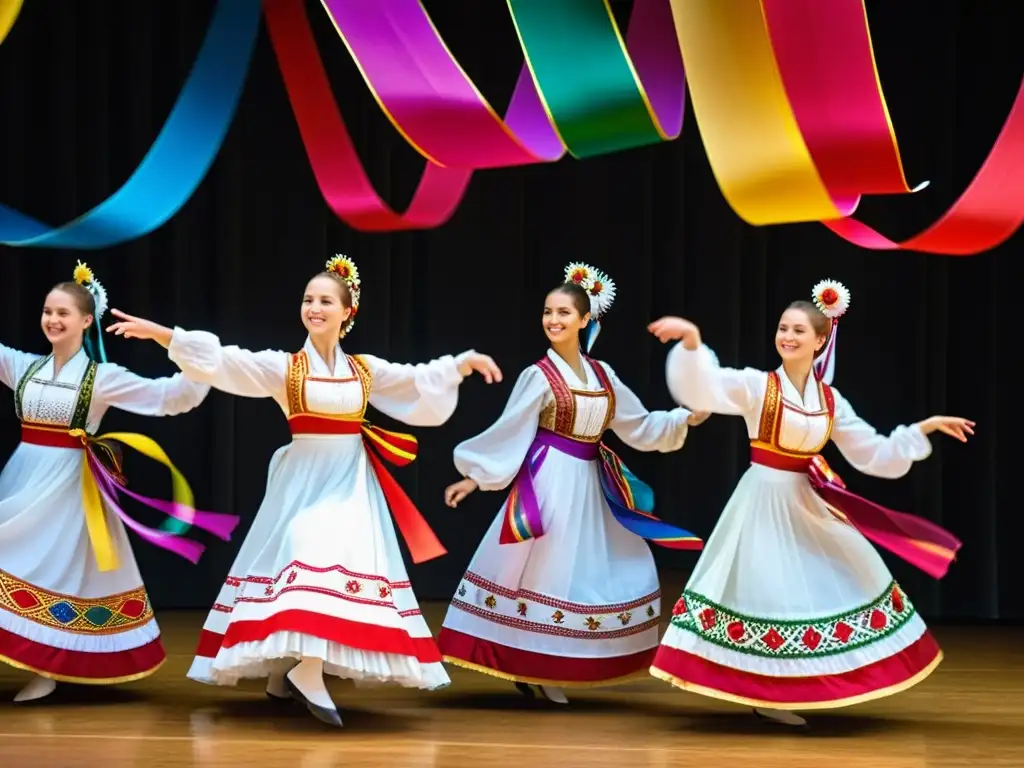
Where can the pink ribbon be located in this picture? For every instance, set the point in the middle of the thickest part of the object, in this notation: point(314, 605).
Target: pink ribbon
point(220, 525)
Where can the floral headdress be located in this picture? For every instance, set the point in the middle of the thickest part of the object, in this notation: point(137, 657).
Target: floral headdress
point(84, 276)
point(601, 290)
point(344, 269)
point(833, 299)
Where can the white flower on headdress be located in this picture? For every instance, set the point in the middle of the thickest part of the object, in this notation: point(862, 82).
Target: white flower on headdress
point(832, 298)
point(602, 294)
point(599, 287)
point(84, 276)
point(342, 266)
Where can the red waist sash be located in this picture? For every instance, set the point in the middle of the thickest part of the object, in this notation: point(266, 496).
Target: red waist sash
point(918, 541)
point(398, 449)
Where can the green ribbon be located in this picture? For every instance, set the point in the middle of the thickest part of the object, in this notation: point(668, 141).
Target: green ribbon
point(602, 94)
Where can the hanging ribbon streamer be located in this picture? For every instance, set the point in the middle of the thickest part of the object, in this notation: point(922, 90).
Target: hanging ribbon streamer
point(339, 173)
point(179, 158)
point(989, 211)
point(429, 98)
point(751, 137)
point(100, 481)
point(9, 10)
point(604, 95)
point(827, 65)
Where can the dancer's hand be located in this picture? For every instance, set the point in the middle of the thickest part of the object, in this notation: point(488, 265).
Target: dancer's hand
point(697, 418)
point(483, 365)
point(954, 426)
point(137, 328)
point(676, 329)
point(456, 492)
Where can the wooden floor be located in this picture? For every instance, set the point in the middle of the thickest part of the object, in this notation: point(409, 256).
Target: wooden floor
point(969, 713)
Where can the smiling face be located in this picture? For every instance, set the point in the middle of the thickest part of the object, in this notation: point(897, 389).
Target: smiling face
point(564, 317)
point(800, 335)
point(66, 316)
point(325, 307)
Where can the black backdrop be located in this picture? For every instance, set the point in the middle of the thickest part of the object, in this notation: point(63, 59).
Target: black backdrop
point(84, 88)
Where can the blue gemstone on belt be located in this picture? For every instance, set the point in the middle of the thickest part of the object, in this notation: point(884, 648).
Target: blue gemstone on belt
point(63, 612)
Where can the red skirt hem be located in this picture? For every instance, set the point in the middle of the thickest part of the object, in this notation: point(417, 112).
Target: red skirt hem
point(522, 666)
point(83, 667)
point(881, 678)
point(352, 634)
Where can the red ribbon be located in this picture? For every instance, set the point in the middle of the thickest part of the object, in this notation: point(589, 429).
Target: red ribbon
point(825, 59)
point(398, 449)
point(339, 173)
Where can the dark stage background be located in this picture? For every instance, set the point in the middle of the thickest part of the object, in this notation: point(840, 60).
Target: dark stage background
point(85, 87)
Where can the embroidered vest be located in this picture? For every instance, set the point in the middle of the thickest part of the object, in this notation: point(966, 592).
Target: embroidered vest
point(80, 412)
point(774, 408)
point(298, 377)
point(563, 418)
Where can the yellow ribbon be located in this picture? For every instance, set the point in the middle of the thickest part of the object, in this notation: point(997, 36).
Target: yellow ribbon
point(95, 516)
point(750, 133)
point(9, 10)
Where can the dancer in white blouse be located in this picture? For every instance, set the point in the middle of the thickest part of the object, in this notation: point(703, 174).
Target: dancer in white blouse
point(319, 584)
point(73, 606)
point(563, 590)
point(790, 607)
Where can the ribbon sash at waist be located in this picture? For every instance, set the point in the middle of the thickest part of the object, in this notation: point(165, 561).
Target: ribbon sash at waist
point(918, 541)
point(629, 499)
point(398, 449)
point(100, 481)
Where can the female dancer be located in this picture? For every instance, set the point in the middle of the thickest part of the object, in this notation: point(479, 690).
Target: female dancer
point(790, 607)
point(563, 591)
point(72, 603)
point(320, 578)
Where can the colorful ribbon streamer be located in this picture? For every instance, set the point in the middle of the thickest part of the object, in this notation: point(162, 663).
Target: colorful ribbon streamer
point(602, 94)
point(102, 482)
point(339, 173)
point(629, 499)
point(429, 98)
point(9, 10)
point(825, 58)
point(916, 540)
point(987, 214)
point(750, 134)
point(179, 158)
point(432, 103)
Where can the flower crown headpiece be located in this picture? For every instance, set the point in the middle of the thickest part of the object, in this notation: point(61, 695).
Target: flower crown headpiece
point(832, 298)
point(600, 289)
point(84, 276)
point(344, 269)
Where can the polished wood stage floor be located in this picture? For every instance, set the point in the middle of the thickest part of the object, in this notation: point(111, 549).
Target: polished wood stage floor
point(970, 712)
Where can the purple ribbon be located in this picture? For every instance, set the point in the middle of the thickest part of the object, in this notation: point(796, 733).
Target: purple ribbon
point(220, 525)
point(523, 483)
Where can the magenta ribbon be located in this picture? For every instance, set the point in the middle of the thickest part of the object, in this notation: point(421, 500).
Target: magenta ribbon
point(430, 99)
point(918, 541)
point(220, 525)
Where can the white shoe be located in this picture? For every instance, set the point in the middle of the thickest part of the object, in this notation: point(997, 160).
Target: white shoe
point(783, 716)
point(555, 695)
point(38, 688)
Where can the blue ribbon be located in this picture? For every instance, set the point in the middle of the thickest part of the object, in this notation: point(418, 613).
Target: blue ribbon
point(179, 158)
